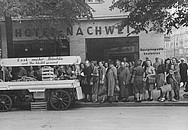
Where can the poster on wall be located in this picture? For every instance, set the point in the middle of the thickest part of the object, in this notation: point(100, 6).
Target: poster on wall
point(152, 53)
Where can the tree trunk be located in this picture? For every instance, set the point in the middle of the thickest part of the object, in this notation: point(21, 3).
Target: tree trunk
point(9, 36)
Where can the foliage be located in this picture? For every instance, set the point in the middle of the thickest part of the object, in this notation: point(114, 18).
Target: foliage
point(153, 15)
point(47, 12)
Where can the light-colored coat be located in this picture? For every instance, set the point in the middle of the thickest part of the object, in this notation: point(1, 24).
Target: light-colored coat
point(124, 78)
point(111, 80)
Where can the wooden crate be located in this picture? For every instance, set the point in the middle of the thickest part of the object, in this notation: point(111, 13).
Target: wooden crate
point(47, 73)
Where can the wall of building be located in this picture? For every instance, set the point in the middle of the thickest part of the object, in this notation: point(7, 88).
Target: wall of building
point(95, 29)
point(102, 9)
point(178, 43)
point(150, 45)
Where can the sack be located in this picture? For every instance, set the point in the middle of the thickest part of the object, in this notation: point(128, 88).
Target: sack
point(151, 79)
point(166, 88)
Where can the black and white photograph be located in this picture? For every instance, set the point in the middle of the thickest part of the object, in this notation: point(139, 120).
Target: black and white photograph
point(93, 64)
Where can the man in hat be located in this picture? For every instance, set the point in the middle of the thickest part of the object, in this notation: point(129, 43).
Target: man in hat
point(183, 72)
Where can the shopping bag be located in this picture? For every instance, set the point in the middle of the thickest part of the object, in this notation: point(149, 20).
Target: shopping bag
point(166, 88)
point(102, 91)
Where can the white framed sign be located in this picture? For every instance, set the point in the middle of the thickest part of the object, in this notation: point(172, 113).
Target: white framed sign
point(41, 61)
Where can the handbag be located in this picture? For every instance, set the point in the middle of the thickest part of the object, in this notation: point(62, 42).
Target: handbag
point(166, 88)
point(84, 81)
point(151, 79)
point(91, 81)
point(117, 89)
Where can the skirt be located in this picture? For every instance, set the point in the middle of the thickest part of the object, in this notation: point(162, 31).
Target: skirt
point(149, 86)
point(138, 85)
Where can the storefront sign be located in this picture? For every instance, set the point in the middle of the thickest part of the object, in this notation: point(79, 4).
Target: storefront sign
point(119, 50)
point(95, 30)
point(41, 61)
point(91, 30)
point(151, 51)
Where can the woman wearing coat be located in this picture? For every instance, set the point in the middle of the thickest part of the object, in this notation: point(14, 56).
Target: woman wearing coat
point(95, 80)
point(102, 87)
point(88, 86)
point(124, 77)
point(111, 80)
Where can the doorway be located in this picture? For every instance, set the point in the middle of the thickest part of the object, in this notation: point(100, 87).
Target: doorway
point(102, 49)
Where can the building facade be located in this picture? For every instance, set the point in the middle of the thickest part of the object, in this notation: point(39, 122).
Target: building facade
point(177, 44)
point(97, 39)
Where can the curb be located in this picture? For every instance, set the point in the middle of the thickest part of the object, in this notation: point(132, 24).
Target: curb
point(132, 104)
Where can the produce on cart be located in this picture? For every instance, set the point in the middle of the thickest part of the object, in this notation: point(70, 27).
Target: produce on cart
point(47, 87)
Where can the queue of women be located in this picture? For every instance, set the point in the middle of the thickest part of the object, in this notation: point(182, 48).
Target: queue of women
point(117, 81)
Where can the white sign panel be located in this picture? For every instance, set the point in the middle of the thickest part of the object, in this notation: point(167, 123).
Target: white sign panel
point(41, 61)
point(151, 45)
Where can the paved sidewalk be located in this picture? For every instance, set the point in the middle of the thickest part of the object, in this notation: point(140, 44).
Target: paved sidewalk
point(182, 102)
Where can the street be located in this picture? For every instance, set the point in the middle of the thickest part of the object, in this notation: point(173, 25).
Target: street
point(101, 118)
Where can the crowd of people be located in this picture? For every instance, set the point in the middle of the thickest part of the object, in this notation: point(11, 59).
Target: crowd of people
point(60, 72)
point(115, 81)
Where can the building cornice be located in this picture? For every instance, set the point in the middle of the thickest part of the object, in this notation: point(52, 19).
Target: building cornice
point(106, 17)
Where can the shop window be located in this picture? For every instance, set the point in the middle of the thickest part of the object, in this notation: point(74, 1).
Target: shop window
point(41, 48)
point(95, 1)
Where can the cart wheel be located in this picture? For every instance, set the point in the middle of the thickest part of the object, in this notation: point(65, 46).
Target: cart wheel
point(60, 100)
point(5, 102)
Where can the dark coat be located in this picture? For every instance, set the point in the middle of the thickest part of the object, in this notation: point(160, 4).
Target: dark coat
point(87, 73)
point(183, 71)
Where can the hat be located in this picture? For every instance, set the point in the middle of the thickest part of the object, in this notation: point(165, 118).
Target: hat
point(182, 59)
